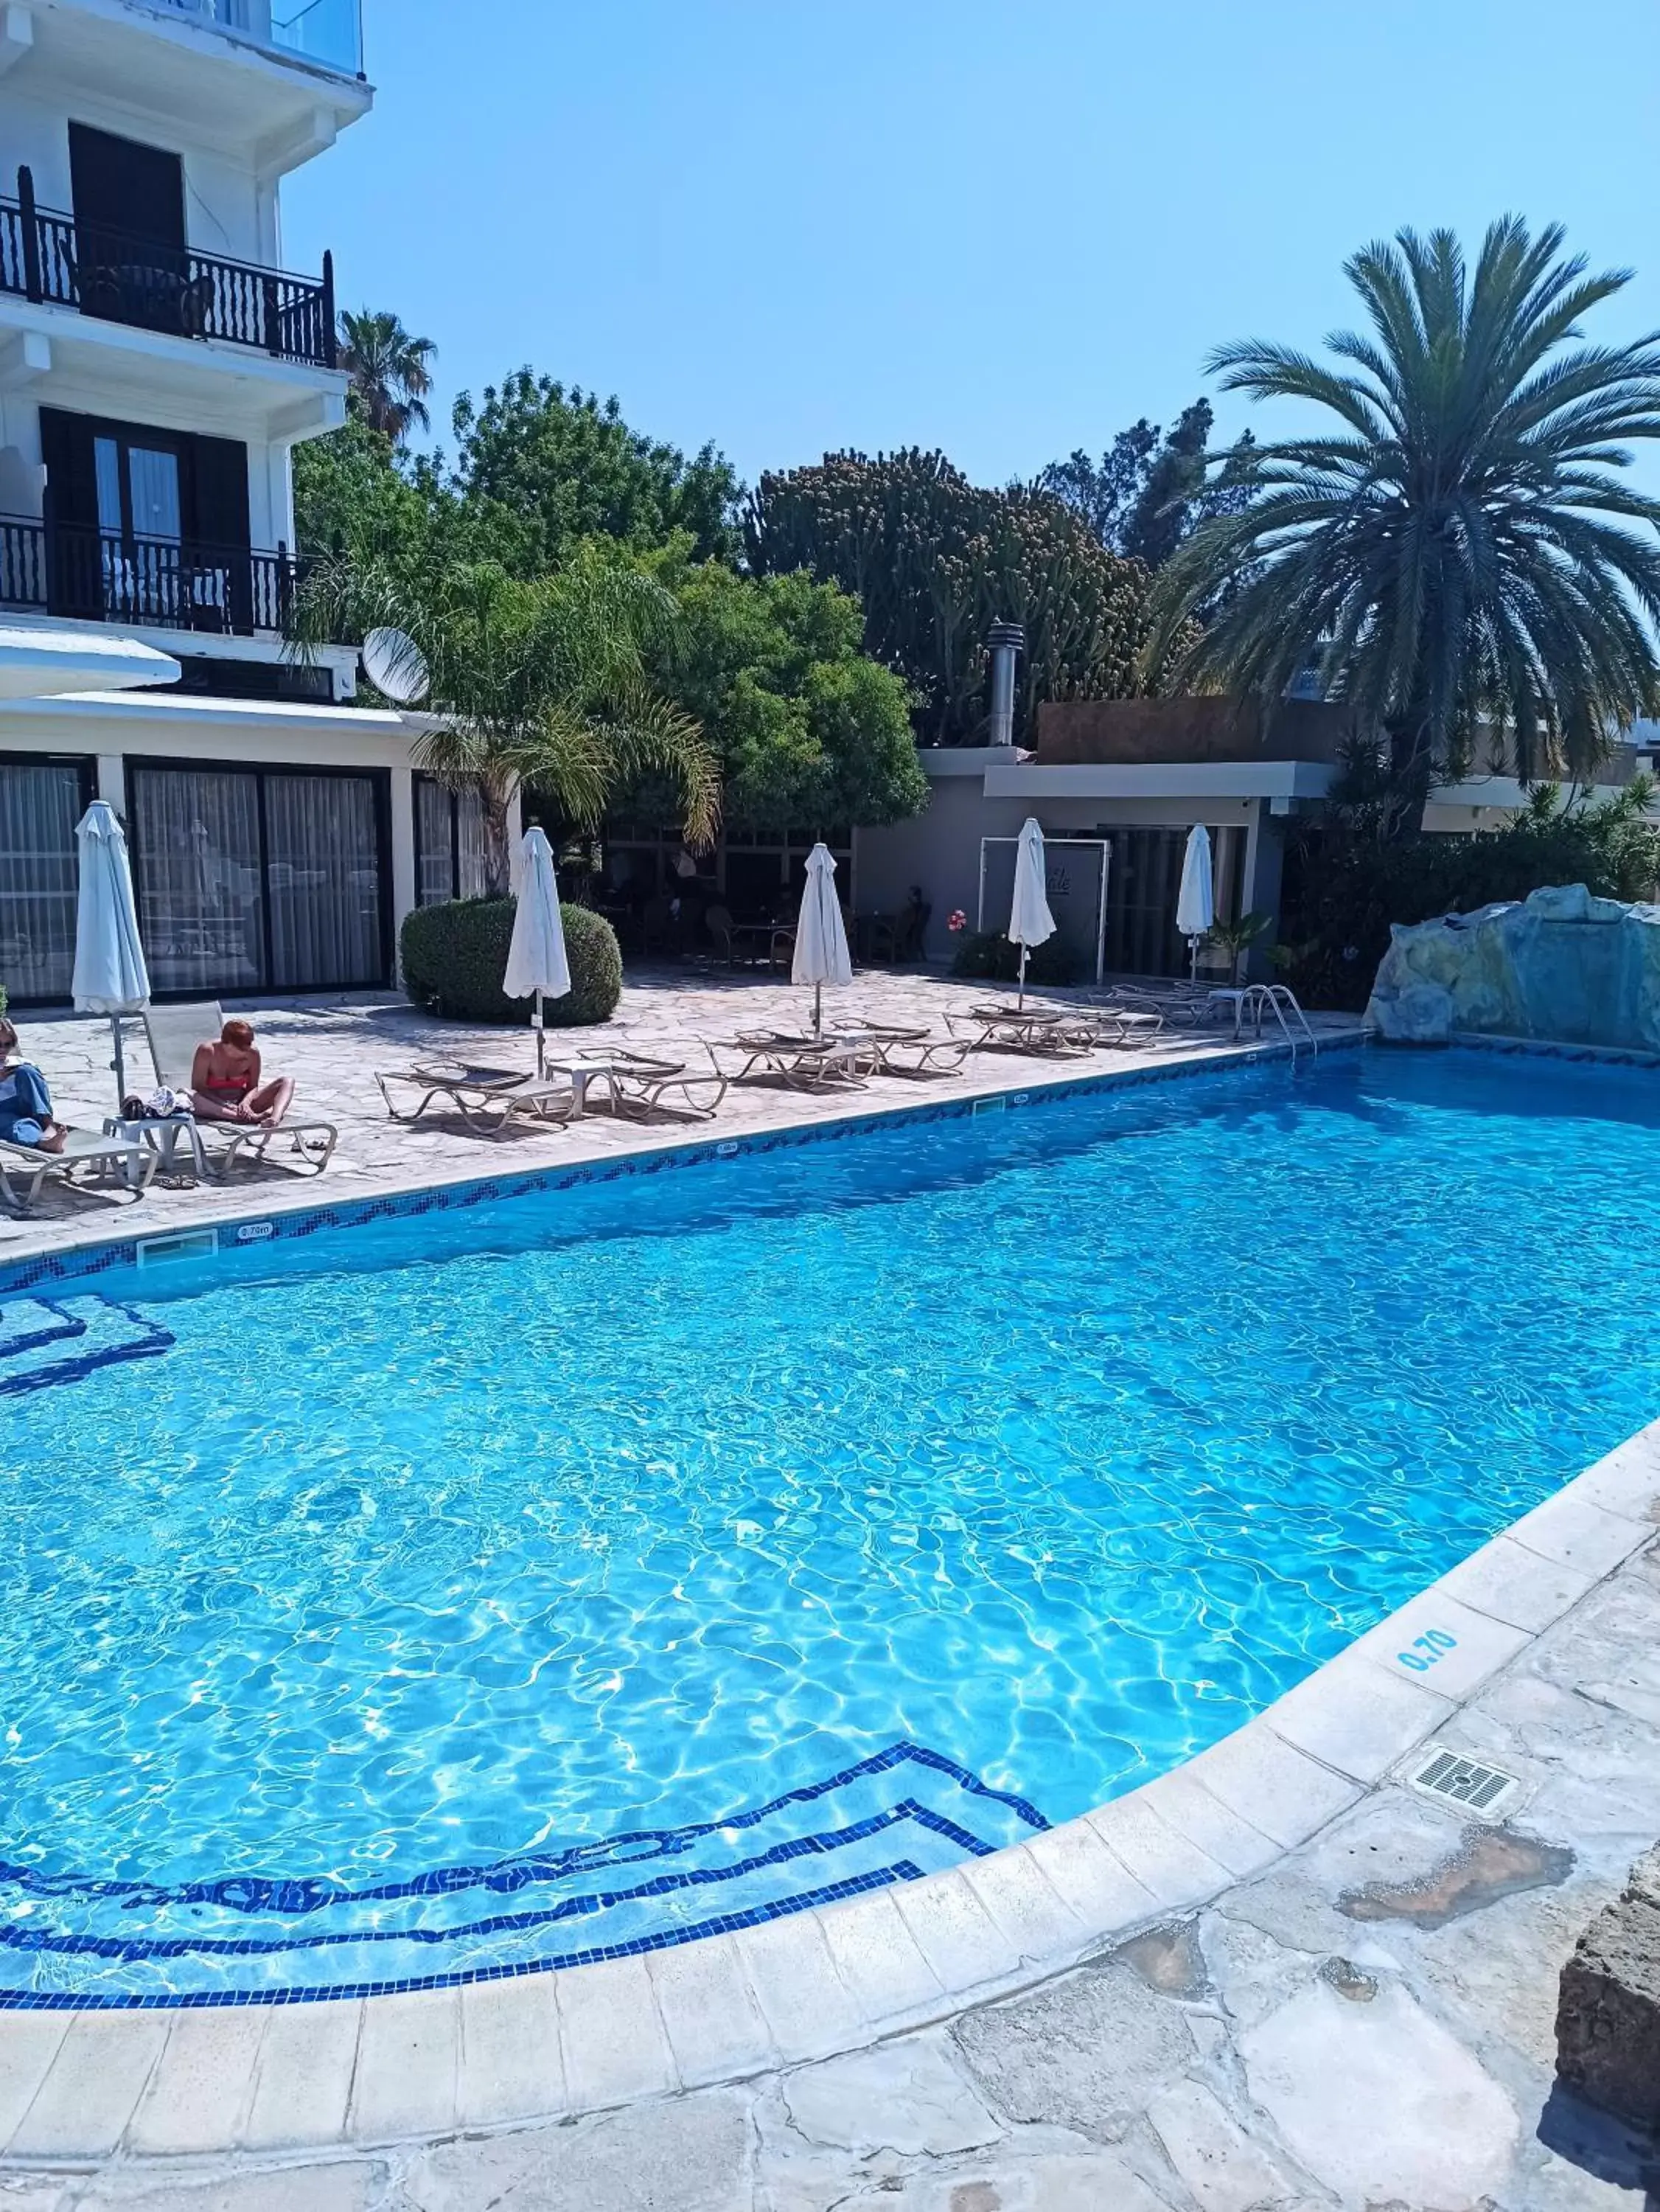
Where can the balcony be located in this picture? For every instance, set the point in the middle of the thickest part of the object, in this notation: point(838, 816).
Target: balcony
point(48, 257)
point(327, 34)
point(158, 583)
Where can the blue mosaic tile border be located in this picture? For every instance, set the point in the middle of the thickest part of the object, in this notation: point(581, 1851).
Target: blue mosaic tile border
point(250, 1894)
point(723, 1924)
point(86, 1261)
point(1600, 1056)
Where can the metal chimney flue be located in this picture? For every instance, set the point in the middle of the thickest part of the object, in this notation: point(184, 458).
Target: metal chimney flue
point(1005, 641)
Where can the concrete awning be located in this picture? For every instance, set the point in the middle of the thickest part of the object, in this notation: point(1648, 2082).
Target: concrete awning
point(40, 664)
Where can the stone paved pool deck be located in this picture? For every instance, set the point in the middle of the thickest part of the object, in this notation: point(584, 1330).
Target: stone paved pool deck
point(1276, 1977)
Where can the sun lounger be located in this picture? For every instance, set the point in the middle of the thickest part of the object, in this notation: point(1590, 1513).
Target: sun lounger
point(1049, 1032)
point(174, 1033)
point(636, 1084)
point(801, 1063)
point(82, 1148)
point(1119, 1025)
point(911, 1052)
point(488, 1099)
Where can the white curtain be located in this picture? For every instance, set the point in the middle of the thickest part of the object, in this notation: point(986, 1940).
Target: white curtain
point(39, 805)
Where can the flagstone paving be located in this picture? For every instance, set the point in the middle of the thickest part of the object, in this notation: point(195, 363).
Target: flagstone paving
point(1364, 2020)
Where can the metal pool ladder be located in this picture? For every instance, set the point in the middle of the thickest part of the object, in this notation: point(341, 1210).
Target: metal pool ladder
point(1276, 998)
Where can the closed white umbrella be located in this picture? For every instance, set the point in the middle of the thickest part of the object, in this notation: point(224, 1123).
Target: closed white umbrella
point(536, 963)
point(110, 975)
point(1196, 908)
point(820, 956)
point(1030, 922)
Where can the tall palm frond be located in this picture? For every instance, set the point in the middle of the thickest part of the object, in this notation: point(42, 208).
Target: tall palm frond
point(1457, 557)
point(391, 372)
point(540, 683)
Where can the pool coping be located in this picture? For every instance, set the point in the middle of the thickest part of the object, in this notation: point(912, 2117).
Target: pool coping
point(80, 2086)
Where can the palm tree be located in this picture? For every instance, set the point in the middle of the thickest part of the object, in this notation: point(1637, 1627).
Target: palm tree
point(391, 372)
point(543, 682)
point(1456, 558)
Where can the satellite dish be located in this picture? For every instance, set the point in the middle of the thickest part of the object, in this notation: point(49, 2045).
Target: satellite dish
point(397, 667)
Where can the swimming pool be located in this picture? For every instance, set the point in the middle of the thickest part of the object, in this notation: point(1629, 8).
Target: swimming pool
point(469, 1593)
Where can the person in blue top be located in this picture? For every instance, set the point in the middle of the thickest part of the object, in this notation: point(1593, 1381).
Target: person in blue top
point(25, 1116)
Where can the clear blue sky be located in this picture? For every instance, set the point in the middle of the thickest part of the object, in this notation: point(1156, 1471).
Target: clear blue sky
point(791, 225)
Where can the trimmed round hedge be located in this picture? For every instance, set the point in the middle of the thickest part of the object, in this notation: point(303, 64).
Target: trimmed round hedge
point(455, 955)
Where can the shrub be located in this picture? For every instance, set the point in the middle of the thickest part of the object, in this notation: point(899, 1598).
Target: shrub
point(989, 953)
point(454, 956)
point(1344, 886)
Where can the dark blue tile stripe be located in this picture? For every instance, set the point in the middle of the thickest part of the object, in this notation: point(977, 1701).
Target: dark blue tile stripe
point(61, 1330)
point(252, 1894)
point(720, 1924)
point(17, 1937)
point(154, 1340)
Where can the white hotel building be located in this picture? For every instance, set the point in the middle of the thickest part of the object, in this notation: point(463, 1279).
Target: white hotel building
point(158, 364)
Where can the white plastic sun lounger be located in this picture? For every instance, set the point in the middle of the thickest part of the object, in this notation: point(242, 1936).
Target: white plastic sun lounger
point(174, 1033)
point(487, 1099)
point(34, 1167)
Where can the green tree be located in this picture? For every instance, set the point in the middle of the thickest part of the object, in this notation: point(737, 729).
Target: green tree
point(1454, 557)
point(564, 467)
point(391, 372)
point(543, 682)
point(349, 490)
point(1150, 491)
point(809, 731)
point(935, 560)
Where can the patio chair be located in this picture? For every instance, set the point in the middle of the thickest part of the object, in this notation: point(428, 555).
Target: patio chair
point(82, 1148)
point(173, 1034)
point(487, 1099)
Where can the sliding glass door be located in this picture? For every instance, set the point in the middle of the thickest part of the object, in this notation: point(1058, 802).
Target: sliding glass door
point(40, 803)
point(259, 880)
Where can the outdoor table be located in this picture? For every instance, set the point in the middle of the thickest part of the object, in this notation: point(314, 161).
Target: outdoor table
point(1235, 996)
point(160, 1134)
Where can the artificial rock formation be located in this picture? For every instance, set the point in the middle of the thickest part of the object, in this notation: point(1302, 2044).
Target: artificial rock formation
point(1560, 966)
point(1607, 2021)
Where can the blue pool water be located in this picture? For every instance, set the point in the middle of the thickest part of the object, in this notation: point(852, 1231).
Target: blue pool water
point(464, 1593)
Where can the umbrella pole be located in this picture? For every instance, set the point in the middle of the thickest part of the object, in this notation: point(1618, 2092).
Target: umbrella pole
point(1020, 990)
point(818, 1010)
point(541, 1043)
point(1192, 959)
point(120, 1064)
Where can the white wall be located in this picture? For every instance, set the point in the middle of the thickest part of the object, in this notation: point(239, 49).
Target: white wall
point(226, 208)
point(939, 849)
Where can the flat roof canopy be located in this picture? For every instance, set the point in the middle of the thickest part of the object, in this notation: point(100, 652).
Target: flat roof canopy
point(41, 664)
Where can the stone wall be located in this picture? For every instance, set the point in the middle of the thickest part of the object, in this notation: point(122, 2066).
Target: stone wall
point(1560, 966)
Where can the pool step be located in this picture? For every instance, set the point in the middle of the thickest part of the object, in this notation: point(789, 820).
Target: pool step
point(45, 1342)
point(900, 1814)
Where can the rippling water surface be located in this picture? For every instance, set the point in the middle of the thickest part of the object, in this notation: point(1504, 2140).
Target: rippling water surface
point(1055, 1443)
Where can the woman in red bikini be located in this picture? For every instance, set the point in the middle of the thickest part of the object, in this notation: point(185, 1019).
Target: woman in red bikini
point(225, 1084)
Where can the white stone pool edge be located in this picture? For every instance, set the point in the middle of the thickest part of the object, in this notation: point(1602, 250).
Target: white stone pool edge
point(77, 2089)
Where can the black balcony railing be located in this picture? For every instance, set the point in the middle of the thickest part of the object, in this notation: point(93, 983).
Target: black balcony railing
point(120, 278)
point(100, 576)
